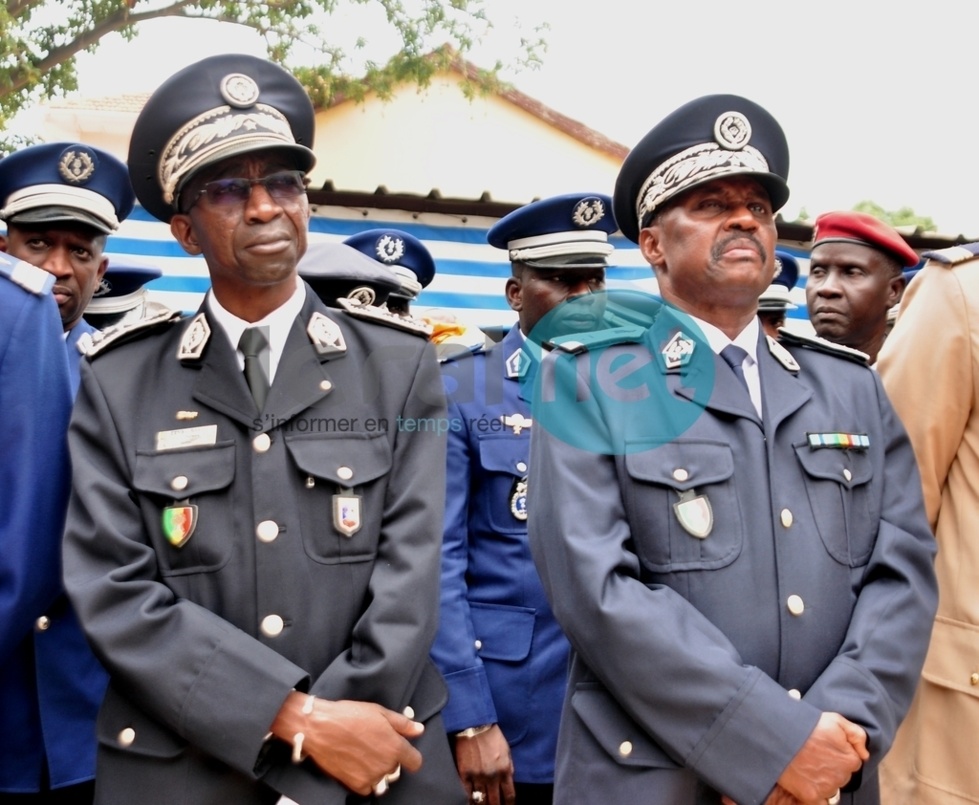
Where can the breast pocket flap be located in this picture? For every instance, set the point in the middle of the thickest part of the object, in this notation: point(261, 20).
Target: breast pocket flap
point(505, 632)
point(183, 473)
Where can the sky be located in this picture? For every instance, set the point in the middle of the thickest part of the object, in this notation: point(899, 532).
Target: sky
point(874, 97)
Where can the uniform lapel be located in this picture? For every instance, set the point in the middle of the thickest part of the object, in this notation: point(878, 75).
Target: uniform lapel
point(220, 383)
point(783, 390)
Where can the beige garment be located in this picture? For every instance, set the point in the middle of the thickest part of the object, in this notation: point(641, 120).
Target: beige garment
point(930, 368)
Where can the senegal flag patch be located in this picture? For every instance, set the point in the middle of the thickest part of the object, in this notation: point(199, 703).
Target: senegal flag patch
point(179, 523)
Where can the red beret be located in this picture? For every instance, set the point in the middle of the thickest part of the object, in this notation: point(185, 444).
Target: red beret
point(859, 227)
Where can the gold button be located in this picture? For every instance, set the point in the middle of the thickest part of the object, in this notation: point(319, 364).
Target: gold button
point(478, 644)
point(272, 625)
point(127, 737)
point(521, 466)
point(974, 679)
point(786, 518)
point(345, 473)
point(625, 748)
point(325, 385)
point(267, 530)
point(262, 443)
point(796, 605)
point(408, 712)
point(794, 694)
point(179, 484)
point(42, 623)
point(680, 474)
point(847, 474)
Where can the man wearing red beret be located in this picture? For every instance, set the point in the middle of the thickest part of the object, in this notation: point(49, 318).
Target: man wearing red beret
point(855, 278)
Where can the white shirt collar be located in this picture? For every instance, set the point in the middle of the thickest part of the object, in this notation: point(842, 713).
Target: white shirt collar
point(747, 339)
point(278, 323)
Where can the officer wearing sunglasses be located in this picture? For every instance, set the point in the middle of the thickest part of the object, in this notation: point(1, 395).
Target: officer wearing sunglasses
point(254, 545)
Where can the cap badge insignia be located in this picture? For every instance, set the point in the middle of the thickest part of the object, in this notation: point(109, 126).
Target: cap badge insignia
point(346, 513)
point(325, 335)
point(694, 513)
point(76, 166)
point(389, 249)
point(588, 212)
point(195, 339)
point(732, 131)
point(239, 90)
point(104, 287)
point(362, 295)
point(678, 351)
point(516, 421)
point(518, 499)
point(179, 522)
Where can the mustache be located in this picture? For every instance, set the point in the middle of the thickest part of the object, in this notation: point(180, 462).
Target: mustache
point(720, 246)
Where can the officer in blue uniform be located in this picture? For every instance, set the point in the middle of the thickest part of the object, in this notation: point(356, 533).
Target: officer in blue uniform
point(776, 301)
point(501, 651)
point(405, 255)
point(729, 527)
point(338, 271)
point(121, 296)
point(59, 202)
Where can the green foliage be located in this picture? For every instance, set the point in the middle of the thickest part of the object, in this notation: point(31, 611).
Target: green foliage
point(39, 40)
point(902, 217)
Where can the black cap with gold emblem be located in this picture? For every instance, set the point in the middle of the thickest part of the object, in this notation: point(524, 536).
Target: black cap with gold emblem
point(217, 108)
point(708, 138)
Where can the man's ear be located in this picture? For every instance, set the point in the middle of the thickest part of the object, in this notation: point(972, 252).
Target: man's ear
point(182, 228)
point(895, 290)
point(514, 293)
point(649, 245)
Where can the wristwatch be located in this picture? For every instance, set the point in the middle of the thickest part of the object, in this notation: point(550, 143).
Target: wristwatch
point(472, 732)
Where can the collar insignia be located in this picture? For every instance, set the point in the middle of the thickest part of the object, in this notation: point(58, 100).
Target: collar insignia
point(517, 364)
point(325, 335)
point(678, 351)
point(781, 354)
point(195, 339)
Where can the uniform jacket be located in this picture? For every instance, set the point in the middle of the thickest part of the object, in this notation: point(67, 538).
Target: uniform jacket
point(721, 580)
point(50, 683)
point(934, 389)
point(501, 651)
point(313, 562)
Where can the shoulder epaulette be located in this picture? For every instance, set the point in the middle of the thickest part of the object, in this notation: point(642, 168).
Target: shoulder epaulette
point(29, 277)
point(954, 255)
point(822, 345)
point(380, 315)
point(586, 342)
point(92, 344)
point(454, 351)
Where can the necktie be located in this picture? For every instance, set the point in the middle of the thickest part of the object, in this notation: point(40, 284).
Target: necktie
point(734, 357)
point(251, 344)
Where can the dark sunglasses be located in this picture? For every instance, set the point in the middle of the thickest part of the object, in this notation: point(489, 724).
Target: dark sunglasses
point(282, 186)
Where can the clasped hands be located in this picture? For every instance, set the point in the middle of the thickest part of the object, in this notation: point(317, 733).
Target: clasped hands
point(362, 745)
point(832, 753)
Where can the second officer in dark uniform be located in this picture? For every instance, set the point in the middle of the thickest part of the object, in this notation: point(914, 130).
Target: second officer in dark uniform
point(253, 538)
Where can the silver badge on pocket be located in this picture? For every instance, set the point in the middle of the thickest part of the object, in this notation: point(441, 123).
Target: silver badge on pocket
point(694, 513)
point(346, 513)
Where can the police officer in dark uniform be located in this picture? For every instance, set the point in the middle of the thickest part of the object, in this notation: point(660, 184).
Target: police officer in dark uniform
point(253, 538)
point(729, 527)
point(499, 647)
point(337, 271)
point(405, 255)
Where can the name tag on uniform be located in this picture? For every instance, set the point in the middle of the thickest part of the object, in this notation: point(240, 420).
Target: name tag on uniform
point(202, 436)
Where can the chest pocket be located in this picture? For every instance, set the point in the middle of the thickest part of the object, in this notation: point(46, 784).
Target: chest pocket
point(504, 461)
point(202, 477)
point(341, 470)
point(698, 470)
point(839, 491)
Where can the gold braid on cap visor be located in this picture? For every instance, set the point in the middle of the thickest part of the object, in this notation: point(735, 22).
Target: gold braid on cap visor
point(216, 134)
point(692, 166)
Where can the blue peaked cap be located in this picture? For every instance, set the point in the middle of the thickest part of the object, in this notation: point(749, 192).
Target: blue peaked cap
point(400, 251)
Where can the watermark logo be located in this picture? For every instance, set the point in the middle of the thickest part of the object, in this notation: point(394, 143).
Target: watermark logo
point(640, 378)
